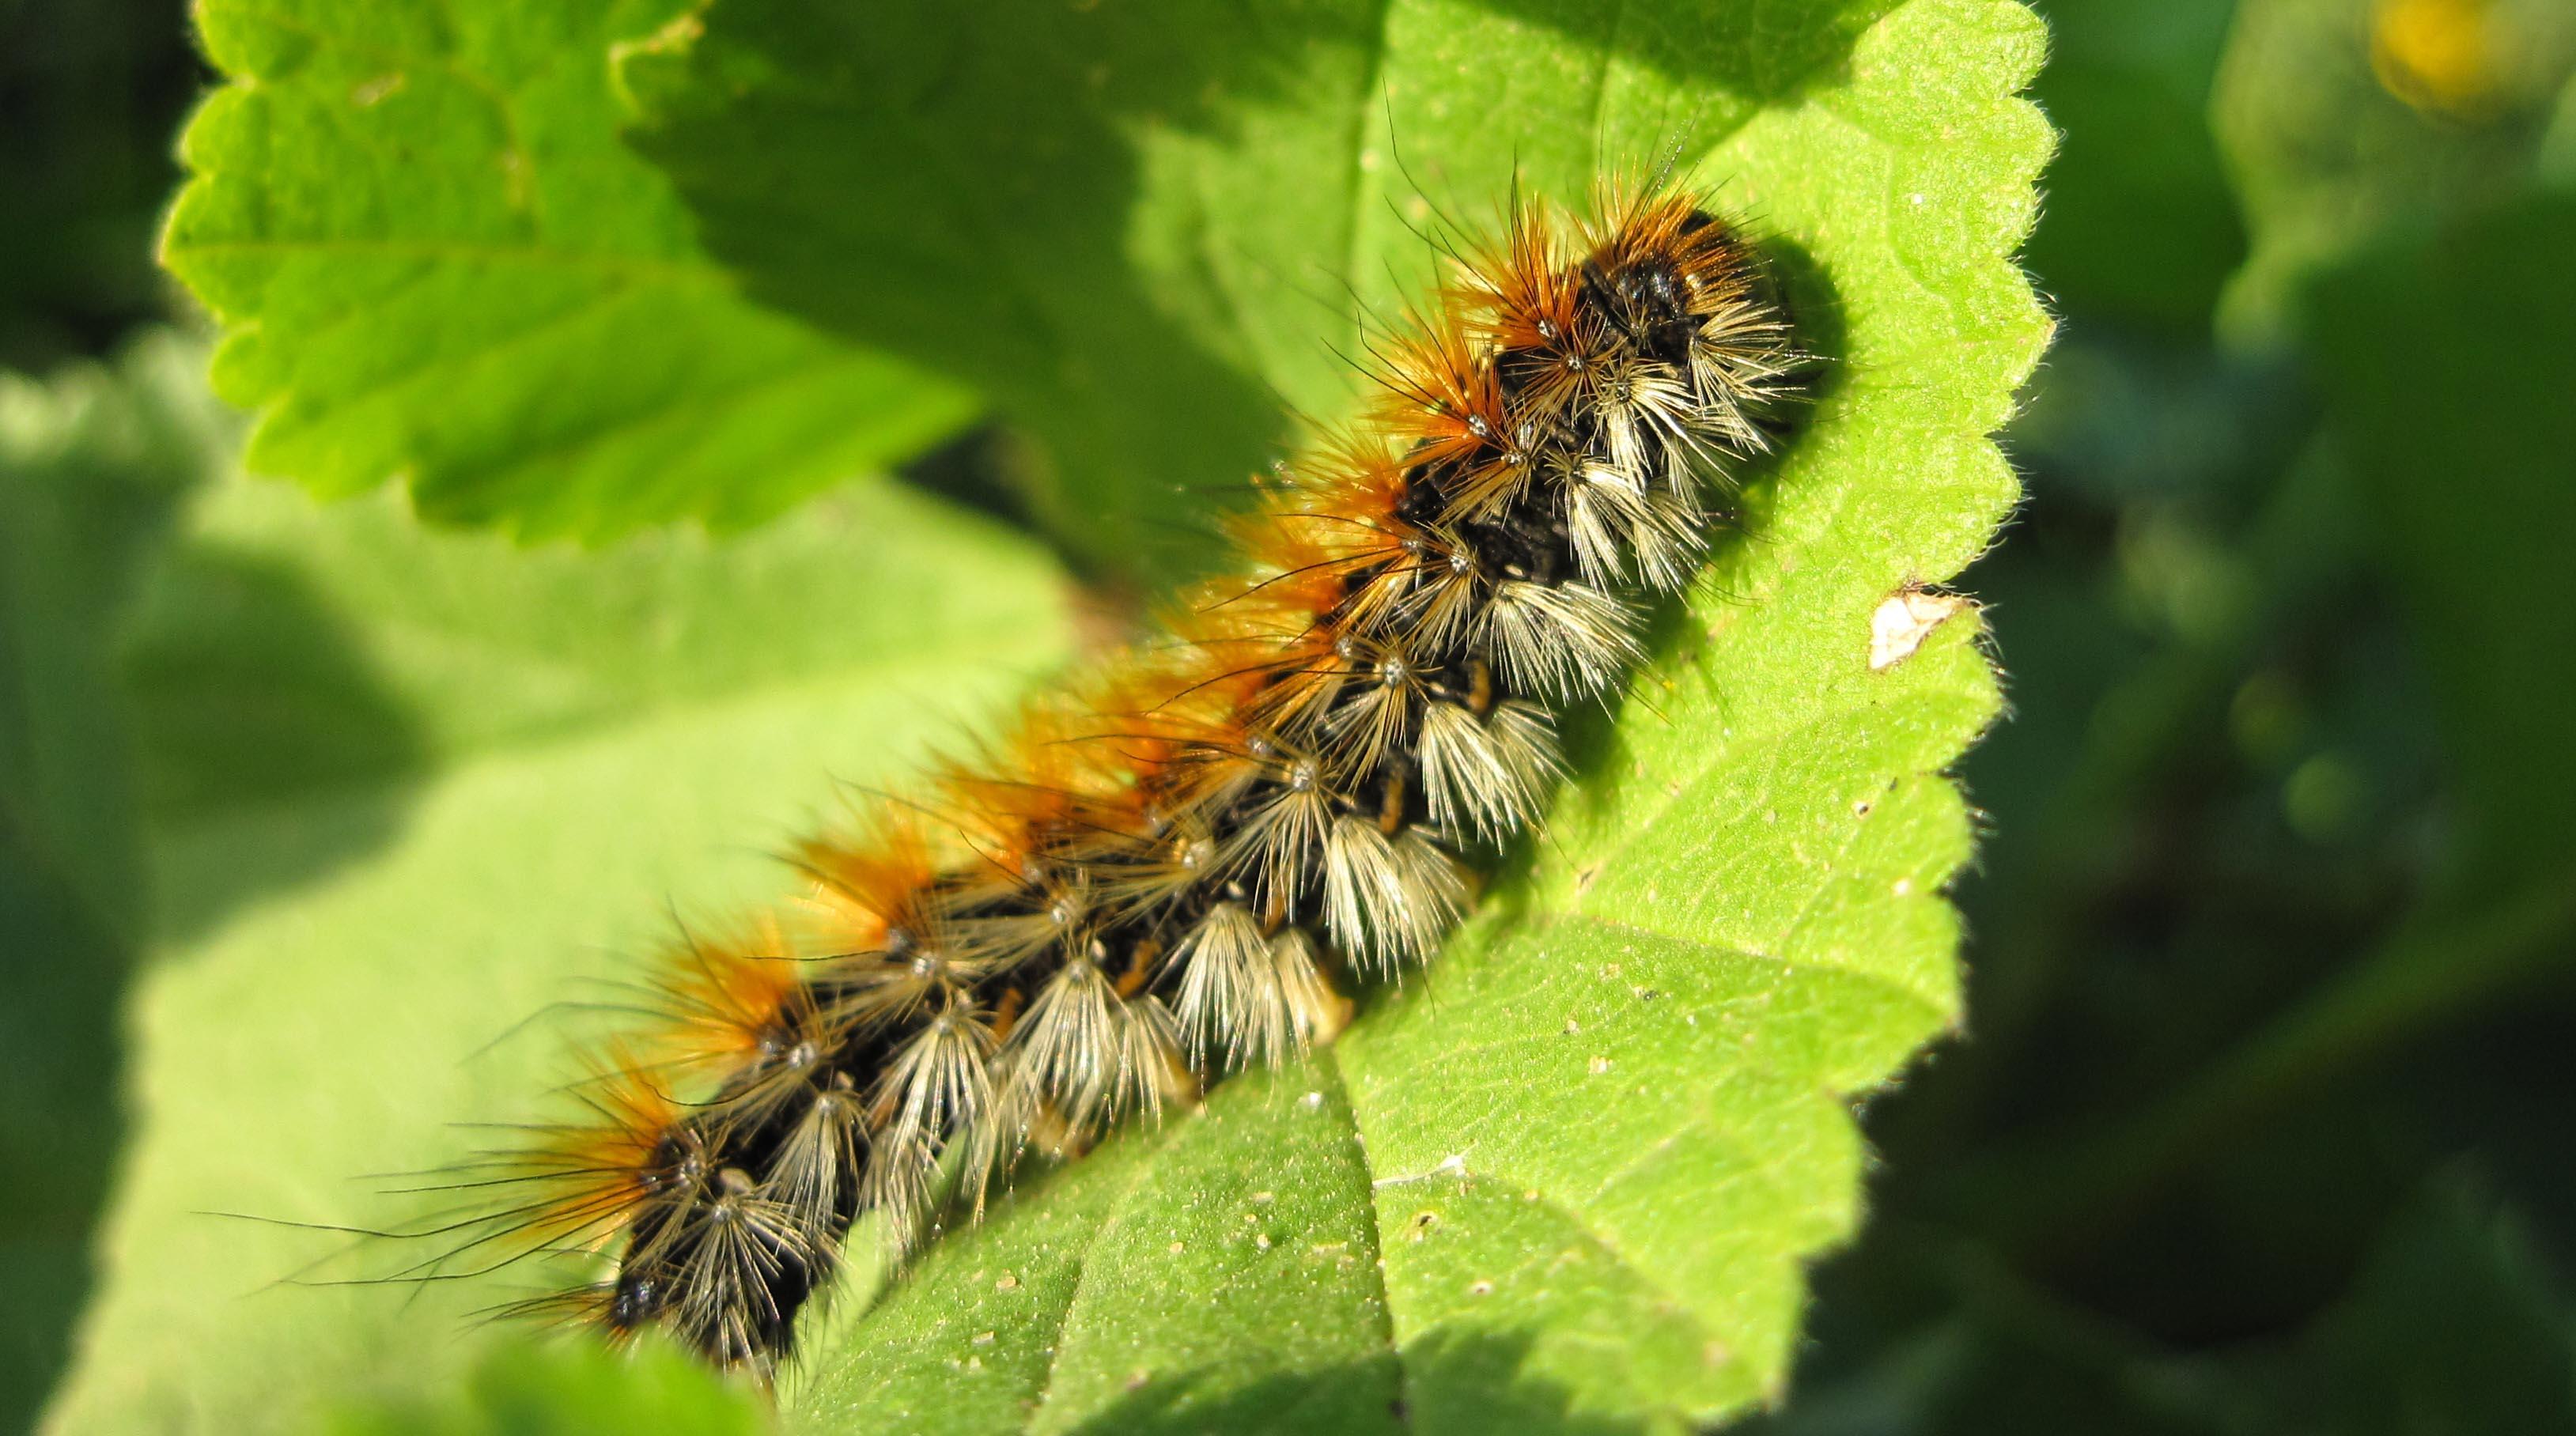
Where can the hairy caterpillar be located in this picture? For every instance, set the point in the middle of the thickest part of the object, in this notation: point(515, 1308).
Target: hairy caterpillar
point(1157, 875)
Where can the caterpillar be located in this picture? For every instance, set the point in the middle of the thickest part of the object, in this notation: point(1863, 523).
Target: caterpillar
point(1174, 861)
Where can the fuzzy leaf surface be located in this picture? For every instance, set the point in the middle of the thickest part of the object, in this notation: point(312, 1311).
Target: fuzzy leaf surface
point(1568, 1176)
point(435, 262)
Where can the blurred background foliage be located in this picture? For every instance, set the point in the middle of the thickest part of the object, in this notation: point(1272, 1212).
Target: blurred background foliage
point(2261, 1122)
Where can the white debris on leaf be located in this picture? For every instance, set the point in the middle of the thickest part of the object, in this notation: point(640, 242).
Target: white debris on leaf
point(1899, 626)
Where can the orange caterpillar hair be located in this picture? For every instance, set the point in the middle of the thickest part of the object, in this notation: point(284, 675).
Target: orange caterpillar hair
point(1156, 877)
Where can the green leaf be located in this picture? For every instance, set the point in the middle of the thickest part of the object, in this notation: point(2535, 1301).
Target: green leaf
point(91, 466)
point(1144, 231)
point(1569, 1174)
point(570, 1391)
point(1566, 1176)
point(409, 789)
point(435, 262)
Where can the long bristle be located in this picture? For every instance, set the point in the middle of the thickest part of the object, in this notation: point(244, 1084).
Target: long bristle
point(1149, 880)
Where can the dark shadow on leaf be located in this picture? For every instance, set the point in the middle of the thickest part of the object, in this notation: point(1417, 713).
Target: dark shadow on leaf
point(66, 969)
point(195, 727)
point(1821, 330)
point(965, 187)
point(1759, 53)
point(248, 695)
point(91, 477)
point(956, 185)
